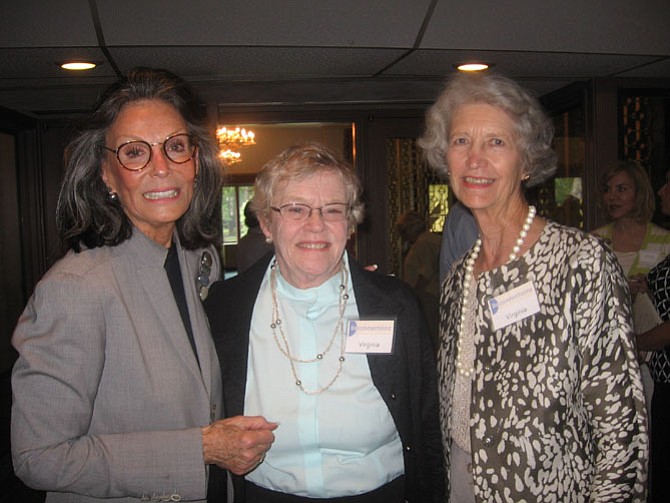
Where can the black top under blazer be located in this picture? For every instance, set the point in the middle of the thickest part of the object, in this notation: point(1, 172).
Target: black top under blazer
point(406, 379)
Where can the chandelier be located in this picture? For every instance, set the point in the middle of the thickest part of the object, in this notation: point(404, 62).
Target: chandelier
point(231, 141)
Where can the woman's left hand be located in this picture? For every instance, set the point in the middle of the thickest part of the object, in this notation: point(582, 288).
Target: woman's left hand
point(237, 444)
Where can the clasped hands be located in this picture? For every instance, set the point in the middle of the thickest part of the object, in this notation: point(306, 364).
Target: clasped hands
point(237, 444)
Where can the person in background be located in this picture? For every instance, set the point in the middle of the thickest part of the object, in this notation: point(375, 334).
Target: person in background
point(657, 340)
point(253, 245)
point(117, 387)
point(420, 267)
point(338, 355)
point(459, 234)
point(628, 199)
point(540, 391)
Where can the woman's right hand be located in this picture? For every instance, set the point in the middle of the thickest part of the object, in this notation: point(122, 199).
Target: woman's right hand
point(237, 444)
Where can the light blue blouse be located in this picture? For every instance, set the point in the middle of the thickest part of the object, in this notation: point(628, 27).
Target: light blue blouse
point(340, 442)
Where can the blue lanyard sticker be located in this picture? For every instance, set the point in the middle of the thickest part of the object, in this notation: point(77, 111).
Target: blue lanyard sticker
point(370, 336)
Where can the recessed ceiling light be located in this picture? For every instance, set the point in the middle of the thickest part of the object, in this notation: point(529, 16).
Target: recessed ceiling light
point(473, 67)
point(78, 65)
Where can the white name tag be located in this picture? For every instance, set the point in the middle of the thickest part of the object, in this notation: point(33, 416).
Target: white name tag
point(517, 304)
point(370, 336)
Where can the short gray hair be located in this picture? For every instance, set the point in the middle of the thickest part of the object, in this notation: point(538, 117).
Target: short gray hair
point(299, 162)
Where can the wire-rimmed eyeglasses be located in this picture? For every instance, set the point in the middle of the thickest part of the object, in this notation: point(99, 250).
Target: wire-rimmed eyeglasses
point(136, 154)
point(333, 212)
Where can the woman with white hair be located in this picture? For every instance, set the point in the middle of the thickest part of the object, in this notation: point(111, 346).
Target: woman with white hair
point(540, 390)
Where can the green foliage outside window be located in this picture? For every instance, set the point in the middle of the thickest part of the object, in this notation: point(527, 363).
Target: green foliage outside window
point(438, 205)
point(233, 200)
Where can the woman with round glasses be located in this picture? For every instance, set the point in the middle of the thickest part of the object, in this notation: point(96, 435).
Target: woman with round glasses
point(136, 154)
point(339, 356)
point(117, 389)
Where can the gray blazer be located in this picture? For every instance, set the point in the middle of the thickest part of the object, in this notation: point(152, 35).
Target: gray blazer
point(108, 398)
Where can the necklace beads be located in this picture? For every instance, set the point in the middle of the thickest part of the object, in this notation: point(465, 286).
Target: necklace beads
point(467, 317)
point(282, 341)
point(524, 233)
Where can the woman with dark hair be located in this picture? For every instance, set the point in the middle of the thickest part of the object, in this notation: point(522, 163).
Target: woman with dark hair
point(117, 388)
point(540, 390)
point(86, 213)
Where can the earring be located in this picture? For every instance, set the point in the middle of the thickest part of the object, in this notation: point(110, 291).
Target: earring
point(526, 177)
point(196, 179)
point(268, 240)
point(113, 196)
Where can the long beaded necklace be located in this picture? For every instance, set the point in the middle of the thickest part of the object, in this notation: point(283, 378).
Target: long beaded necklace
point(283, 345)
point(469, 294)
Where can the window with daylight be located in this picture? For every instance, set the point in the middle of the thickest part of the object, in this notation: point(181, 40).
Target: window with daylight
point(234, 200)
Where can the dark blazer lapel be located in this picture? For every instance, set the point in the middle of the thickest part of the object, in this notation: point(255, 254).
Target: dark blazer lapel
point(234, 310)
point(372, 301)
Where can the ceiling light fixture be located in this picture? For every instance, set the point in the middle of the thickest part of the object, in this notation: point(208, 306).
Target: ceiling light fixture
point(78, 65)
point(231, 140)
point(473, 67)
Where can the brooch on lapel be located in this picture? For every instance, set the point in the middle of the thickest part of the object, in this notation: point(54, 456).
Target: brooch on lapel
point(204, 271)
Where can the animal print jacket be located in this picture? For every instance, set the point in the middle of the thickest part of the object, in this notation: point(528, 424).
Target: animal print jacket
point(557, 409)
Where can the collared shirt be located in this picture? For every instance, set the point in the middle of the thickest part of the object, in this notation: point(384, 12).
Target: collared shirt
point(340, 442)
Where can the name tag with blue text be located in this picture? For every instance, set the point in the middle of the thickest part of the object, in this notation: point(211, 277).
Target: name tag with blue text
point(515, 305)
point(370, 336)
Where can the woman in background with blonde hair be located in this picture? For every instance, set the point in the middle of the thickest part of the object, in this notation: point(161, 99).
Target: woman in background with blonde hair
point(540, 391)
point(628, 198)
point(639, 245)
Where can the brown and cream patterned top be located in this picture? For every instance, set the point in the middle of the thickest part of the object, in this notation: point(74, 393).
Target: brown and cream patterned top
point(557, 409)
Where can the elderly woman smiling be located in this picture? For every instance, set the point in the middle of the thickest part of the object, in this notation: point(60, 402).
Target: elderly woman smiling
point(541, 397)
point(337, 355)
point(117, 389)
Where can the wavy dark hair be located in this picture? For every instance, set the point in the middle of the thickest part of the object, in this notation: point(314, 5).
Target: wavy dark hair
point(86, 216)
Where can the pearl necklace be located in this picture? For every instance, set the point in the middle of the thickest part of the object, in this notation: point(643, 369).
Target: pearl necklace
point(524, 233)
point(468, 295)
point(283, 345)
